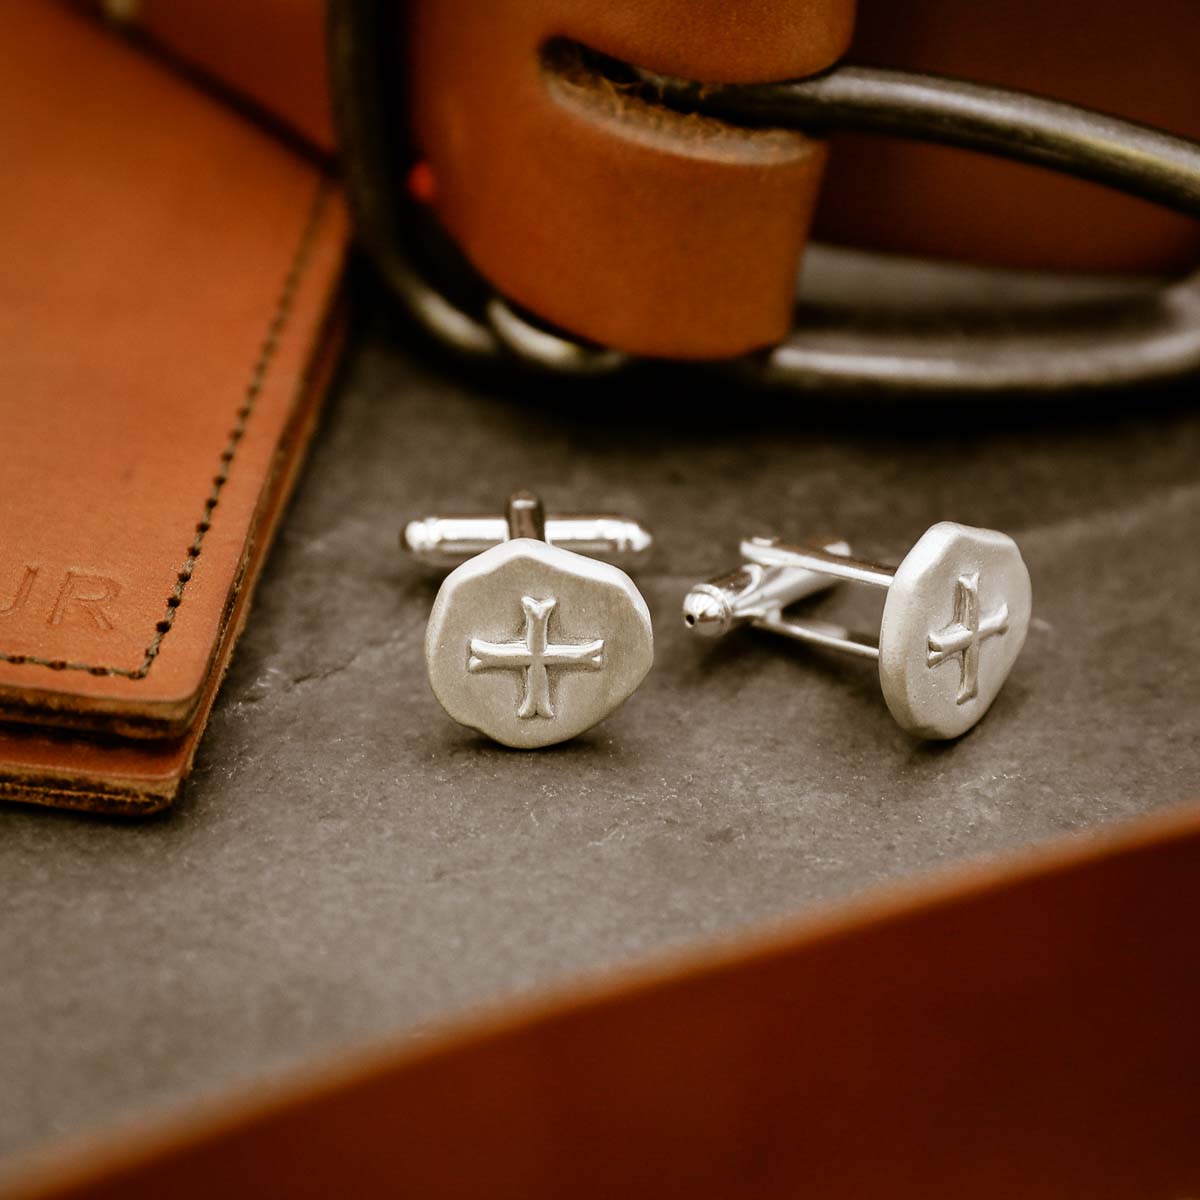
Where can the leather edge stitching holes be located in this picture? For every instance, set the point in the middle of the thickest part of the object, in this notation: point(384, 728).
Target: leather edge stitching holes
point(301, 259)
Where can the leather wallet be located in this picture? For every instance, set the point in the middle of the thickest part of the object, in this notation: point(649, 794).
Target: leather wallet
point(168, 322)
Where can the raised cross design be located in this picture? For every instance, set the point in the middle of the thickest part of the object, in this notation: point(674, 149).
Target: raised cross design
point(533, 653)
point(966, 634)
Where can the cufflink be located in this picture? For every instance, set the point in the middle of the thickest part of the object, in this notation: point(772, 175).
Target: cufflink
point(954, 620)
point(532, 638)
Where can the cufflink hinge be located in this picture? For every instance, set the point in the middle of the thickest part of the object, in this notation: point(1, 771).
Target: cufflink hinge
point(820, 568)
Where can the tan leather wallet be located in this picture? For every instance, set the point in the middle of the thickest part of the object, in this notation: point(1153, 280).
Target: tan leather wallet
point(168, 322)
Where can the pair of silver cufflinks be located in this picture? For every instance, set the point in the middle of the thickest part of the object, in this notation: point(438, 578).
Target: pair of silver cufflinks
point(538, 634)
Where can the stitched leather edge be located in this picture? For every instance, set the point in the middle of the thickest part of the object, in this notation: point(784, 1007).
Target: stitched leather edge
point(258, 373)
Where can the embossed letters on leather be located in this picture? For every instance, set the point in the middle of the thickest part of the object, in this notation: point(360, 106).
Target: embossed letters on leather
point(168, 271)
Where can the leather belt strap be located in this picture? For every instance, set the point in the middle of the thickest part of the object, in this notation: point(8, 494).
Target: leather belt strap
point(583, 206)
point(643, 229)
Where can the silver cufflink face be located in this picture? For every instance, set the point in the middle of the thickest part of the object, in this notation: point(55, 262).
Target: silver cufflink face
point(954, 621)
point(531, 643)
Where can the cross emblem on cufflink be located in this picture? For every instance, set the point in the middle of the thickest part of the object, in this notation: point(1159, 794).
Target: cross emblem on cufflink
point(533, 653)
point(965, 635)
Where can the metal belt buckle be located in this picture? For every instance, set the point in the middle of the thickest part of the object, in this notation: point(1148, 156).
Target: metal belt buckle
point(1082, 335)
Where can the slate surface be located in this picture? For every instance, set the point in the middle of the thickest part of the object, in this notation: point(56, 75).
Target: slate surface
point(347, 863)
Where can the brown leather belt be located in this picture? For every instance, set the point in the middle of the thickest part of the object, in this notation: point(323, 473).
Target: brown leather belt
point(674, 229)
point(591, 225)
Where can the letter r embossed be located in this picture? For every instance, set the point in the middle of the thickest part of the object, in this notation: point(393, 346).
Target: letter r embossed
point(85, 595)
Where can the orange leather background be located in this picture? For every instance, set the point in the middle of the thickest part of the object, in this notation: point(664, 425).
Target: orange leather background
point(1138, 61)
point(138, 776)
point(1027, 1030)
point(272, 50)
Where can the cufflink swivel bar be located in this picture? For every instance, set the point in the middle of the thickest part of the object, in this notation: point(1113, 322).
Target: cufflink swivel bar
point(820, 568)
point(448, 541)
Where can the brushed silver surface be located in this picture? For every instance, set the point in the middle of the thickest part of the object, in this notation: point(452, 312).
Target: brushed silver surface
point(531, 644)
point(954, 623)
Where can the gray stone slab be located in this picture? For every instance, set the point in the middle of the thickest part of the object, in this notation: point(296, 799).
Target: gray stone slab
point(347, 863)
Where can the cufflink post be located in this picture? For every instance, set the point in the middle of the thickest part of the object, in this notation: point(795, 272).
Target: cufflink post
point(827, 566)
point(526, 516)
